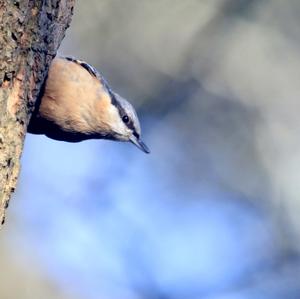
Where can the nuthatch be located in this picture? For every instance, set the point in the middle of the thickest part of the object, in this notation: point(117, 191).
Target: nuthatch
point(76, 104)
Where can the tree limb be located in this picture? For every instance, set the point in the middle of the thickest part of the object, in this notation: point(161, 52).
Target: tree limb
point(30, 34)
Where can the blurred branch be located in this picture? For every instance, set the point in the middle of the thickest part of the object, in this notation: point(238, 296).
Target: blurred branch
point(30, 34)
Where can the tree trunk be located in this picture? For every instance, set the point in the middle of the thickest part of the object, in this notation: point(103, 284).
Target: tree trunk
point(30, 34)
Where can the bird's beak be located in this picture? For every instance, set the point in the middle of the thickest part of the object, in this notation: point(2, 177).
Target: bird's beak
point(140, 144)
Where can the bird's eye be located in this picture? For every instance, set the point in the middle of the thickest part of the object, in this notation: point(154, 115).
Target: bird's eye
point(125, 119)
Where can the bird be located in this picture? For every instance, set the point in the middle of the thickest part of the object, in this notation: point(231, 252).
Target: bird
point(76, 103)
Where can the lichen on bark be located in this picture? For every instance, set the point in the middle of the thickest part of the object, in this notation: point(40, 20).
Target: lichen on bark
point(30, 34)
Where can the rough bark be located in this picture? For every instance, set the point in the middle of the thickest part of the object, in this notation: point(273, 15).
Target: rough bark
point(30, 34)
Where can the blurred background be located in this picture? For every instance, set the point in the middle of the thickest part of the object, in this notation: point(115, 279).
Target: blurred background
point(213, 211)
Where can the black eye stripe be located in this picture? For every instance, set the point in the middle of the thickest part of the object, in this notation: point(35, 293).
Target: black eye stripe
point(129, 124)
point(136, 134)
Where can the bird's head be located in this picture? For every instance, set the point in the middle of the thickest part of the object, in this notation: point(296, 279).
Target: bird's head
point(123, 122)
